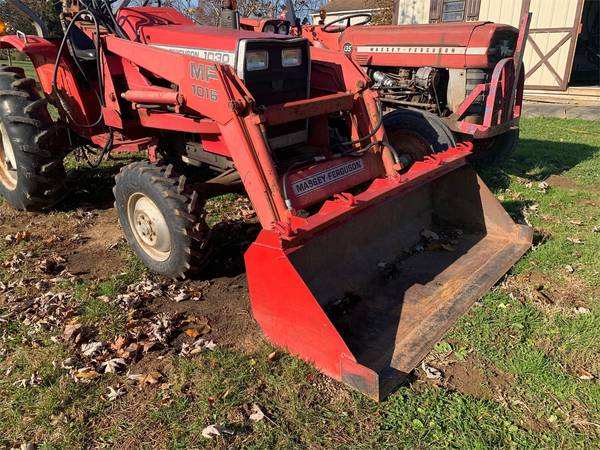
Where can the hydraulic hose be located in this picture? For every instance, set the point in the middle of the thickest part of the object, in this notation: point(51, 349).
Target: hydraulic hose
point(372, 133)
point(57, 65)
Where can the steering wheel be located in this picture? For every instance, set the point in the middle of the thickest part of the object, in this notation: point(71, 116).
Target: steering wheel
point(367, 18)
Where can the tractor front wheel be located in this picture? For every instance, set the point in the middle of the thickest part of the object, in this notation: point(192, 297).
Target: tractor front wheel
point(32, 175)
point(162, 219)
point(496, 150)
point(417, 133)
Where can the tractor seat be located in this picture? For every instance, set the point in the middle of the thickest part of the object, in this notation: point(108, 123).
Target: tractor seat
point(83, 47)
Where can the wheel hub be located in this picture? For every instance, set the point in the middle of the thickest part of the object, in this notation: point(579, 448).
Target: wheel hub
point(8, 162)
point(149, 227)
point(407, 142)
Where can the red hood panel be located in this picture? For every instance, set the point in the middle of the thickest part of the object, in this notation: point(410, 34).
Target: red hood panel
point(168, 27)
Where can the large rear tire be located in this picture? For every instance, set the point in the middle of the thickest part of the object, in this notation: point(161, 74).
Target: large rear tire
point(32, 175)
point(162, 219)
point(417, 133)
point(496, 150)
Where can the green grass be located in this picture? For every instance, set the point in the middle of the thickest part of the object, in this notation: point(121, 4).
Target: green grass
point(540, 348)
point(29, 70)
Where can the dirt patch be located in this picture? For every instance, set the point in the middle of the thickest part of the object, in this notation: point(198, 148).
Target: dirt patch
point(558, 181)
point(467, 378)
point(226, 304)
point(538, 288)
point(95, 253)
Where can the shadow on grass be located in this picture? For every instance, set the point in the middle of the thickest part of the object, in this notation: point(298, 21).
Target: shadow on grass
point(536, 160)
point(91, 188)
point(230, 240)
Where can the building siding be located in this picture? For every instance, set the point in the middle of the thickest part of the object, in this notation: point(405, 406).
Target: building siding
point(412, 12)
point(546, 14)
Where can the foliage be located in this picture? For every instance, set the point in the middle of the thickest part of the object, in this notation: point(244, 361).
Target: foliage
point(16, 21)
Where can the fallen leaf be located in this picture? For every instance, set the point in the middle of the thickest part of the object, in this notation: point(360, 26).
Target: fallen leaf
point(71, 332)
point(91, 348)
point(569, 268)
point(119, 344)
point(114, 394)
point(272, 356)
point(257, 414)
point(215, 430)
point(113, 365)
point(582, 310)
point(86, 374)
point(576, 241)
point(576, 222)
point(211, 431)
point(28, 446)
point(596, 229)
point(192, 332)
point(150, 378)
point(585, 375)
point(431, 372)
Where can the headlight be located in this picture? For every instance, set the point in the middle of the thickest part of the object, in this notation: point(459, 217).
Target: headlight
point(283, 29)
point(257, 60)
point(291, 57)
point(269, 28)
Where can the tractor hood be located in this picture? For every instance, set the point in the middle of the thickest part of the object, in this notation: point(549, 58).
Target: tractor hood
point(464, 44)
point(169, 29)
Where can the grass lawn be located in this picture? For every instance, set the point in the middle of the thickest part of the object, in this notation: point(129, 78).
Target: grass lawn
point(519, 370)
point(29, 70)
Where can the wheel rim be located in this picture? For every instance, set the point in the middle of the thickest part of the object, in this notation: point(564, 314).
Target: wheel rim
point(410, 143)
point(8, 162)
point(149, 227)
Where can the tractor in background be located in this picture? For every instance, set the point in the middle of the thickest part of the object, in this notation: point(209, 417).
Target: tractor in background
point(440, 83)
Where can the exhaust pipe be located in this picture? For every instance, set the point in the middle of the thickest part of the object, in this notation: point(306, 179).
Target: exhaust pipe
point(230, 17)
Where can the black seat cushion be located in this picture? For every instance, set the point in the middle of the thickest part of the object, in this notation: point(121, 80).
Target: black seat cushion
point(83, 46)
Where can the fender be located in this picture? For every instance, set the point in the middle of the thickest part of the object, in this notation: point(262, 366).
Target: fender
point(43, 54)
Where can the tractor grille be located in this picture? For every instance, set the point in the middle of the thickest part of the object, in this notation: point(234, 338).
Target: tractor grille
point(277, 84)
point(503, 46)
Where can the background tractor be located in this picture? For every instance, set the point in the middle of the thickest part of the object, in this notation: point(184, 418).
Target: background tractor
point(340, 274)
point(441, 83)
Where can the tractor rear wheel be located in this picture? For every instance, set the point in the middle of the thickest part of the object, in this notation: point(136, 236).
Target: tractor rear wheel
point(417, 133)
point(32, 175)
point(162, 219)
point(496, 150)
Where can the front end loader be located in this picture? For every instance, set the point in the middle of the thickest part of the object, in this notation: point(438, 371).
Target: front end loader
point(367, 254)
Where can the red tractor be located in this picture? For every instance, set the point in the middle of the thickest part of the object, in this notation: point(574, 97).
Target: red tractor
point(444, 83)
point(349, 271)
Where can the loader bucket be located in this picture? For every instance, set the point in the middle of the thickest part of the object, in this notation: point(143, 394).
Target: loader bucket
point(367, 297)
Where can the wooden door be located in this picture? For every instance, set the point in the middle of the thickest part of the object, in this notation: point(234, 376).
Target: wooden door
point(552, 41)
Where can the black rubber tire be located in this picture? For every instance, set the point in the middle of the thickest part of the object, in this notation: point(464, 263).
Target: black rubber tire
point(181, 208)
point(428, 126)
point(496, 150)
point(37, 143)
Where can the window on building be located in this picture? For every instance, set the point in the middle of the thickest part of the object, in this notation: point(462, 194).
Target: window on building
point(453, 11)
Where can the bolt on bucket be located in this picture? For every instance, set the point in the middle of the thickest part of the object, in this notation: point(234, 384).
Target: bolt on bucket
point(365, 298)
